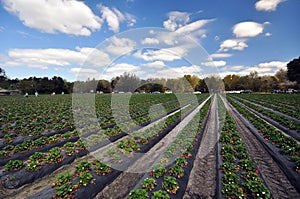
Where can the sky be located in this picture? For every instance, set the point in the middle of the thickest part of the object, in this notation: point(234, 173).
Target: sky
point(150, 38)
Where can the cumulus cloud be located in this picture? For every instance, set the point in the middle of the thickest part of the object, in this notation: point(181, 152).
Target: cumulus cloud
point(156, 64)
point(214, 63)
point(69, 17)
point(234, 44)
point(267, 5)
point(247, 29)
point(273, 64)
point(220, 55)
point(43, 58)
point(176, 20)
point(114, 17)
point(119, 46)
point(150, 41)
point(176, 72)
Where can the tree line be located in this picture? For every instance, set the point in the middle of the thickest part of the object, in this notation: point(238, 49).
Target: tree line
point(284, 79)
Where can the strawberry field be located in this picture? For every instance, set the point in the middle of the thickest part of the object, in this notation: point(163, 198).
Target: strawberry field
point(150, 146)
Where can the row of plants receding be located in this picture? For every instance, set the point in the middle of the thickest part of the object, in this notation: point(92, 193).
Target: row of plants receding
point(276, 102)
point(102, 134)
point(279, 118)
point(32, 165)
point(67, 184)
point(164, 179)
point(26, 117)
point(126, 147)
point(287, 145)
point(240, 176)
point(28, 145)
point(39, 159)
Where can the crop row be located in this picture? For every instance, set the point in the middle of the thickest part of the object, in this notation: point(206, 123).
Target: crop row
point(279, 118)
point(168, 179)
point(287, 104)
point(240, 176)
point(287, 145)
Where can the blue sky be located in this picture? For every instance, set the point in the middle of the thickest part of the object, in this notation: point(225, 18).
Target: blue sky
point(102, 39)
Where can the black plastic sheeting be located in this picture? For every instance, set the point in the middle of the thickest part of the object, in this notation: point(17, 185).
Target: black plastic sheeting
point(292, 133)
point(183, 181)
point(282, 160)
point(92, 190)
point(16, 179)
point(24, 155)
point(21, 139)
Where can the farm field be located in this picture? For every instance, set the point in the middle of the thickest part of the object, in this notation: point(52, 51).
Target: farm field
point(150, 146)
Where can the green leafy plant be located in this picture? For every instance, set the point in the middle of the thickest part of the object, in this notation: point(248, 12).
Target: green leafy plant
point(83, 167)
point(158, 171)
point(149, 184)
point(176, 171)
point(14, 165)
point(180, 161)
point(160, 194)
point(102, 169)
point(86, 178)
point(170, 184)
point(138, 194)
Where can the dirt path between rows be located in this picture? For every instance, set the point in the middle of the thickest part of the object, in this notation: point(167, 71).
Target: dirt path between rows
point(202, 181)
point(280, 187)
point(121, 187)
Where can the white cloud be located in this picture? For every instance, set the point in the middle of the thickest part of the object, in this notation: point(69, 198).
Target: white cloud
point(156, 64)
point(69, 17)
point(214, 63)
point(193, 26)
point(150, 41)
point(220, 55)
point(119, 46)
point(273, 64)
point(267, 5)
point(43, 58)
point(268, 34)
point(121, 68)
point(176, 20)
point(177, 72)
point(203, 36)
point(248, 29)
point(236, 67)
point(164, 54)
point(114, 17)
point(234, 44)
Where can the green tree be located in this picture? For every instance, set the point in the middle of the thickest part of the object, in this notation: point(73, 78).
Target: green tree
point(293, 68)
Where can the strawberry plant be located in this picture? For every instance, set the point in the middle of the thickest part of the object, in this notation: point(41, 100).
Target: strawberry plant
point(86, 178)
point(64, 191)
point(158, 171)
point(54, 156)
point(176, 171)
point(63, 179)
point(138, 194)
point(233, 191)
point(149, 184)
point(102, 169)
point(257, 189)
point(180, 161)
point(83, 167)
point(14, 165)
point(160, 194)
point(170, 184)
